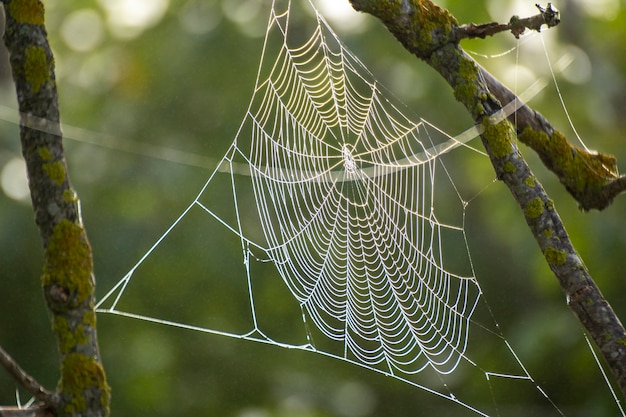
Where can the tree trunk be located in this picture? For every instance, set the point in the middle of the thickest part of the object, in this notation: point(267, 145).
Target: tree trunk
point(68, 281)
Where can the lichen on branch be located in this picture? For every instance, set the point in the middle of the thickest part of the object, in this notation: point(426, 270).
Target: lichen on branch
point(67, 278)
point(433, 34)
point(584, 174)
point(420, 25)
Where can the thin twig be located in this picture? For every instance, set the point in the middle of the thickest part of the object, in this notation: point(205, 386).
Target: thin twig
point(28, 382)
point(35, 411)
point(548, 16)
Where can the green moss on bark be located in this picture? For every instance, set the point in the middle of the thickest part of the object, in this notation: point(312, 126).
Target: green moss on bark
point(422, 27)
point(44, 153)
point(534, 209)
point(509, 167)
point(434, 25)
point(82, 381)
point(554, 256)
point(583, 173)
point(69, 337)
point(55, 171)
point(68, 267)
point(26, 11)
point(69, 196)
point(36, 67)
point(499, 136)
point(466, 86)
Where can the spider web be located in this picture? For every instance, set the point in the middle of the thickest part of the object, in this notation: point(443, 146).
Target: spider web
point(331, 162)
point(331, 187)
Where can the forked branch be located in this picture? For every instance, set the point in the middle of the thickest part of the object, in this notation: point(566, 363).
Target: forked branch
point(590, 177)
point(432, 34)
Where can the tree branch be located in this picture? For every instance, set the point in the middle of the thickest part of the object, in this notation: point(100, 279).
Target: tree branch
point(548, 16)
point(48, 399)
point(424, 28)
point(428, 32)
point(25, 380)
point(67, 279)
point(590, 177)
point(36, 411)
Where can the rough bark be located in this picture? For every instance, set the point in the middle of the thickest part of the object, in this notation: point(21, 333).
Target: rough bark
point(590, 177)
point(431, 33)
point(68, 281)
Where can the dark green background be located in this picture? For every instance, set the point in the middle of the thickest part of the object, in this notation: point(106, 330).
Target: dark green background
point(175, 89)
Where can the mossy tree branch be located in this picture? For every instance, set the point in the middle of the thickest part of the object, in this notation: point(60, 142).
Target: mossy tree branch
point(424, 28)
point(68, 281)
point(590, 177)
point(431, 33)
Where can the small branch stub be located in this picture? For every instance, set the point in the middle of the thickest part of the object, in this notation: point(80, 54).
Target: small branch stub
point(548, 16)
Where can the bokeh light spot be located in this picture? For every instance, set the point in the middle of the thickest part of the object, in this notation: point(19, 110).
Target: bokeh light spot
point(82, 30)
point(13, 179)
point(601, 9)
point(200, 16)
point(354, 399)
point(129, 18)
point(247, 15)
point(342, 15)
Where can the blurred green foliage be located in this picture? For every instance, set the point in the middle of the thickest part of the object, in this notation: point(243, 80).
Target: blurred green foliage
point(163, 76)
